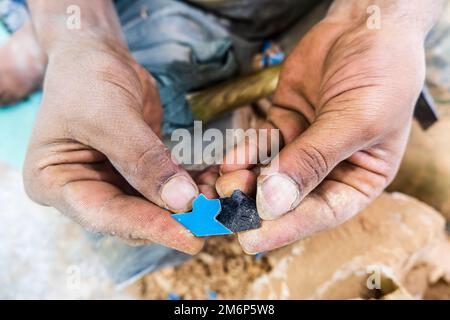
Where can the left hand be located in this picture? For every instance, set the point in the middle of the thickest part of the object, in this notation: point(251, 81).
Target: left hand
point(344, 107)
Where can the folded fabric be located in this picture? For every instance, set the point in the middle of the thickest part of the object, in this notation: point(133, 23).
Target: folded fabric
point(183, 47)
point(438, 57)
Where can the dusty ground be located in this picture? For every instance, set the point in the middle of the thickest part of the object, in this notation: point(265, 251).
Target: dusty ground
point(331, 265)
point(221, 268)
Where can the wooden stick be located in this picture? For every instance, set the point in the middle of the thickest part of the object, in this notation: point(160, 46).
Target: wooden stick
point(212, 102)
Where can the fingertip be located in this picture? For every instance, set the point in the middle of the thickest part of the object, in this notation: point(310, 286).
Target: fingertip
point(174, 235)
point(249, 241)
point(196, 246)
point(243, 180)
point(197, 249)
point(178, 192)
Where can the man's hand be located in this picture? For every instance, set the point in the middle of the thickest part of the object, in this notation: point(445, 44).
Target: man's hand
point(344, 106)
point(96, 153)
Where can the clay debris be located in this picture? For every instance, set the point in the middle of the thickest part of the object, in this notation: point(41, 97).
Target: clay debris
point(220, 271)
point(399, 237)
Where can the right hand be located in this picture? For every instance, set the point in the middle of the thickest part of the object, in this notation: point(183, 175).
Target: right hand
point(96, 153)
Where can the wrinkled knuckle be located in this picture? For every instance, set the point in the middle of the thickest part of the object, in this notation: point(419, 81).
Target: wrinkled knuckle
point(81, 214)
point(314, 165)
point(154, 163)
point(387, 177)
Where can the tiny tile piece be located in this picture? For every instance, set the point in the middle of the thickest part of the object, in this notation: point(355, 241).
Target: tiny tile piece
point(173, 296)
point(212, 295)
point(259, 255)
point(239, 212)
point(201, 221)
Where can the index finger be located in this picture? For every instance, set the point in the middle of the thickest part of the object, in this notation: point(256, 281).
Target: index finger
point(102, 207)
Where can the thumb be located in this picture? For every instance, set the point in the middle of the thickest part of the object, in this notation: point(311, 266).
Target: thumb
point(146, 163)
point(302, 165)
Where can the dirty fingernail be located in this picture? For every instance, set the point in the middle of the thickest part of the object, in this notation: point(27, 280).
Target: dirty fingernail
point(178, 194)
point(276, 195)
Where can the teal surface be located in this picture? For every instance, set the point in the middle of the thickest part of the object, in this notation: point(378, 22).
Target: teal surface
point(201, 221)
point(16, 124)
